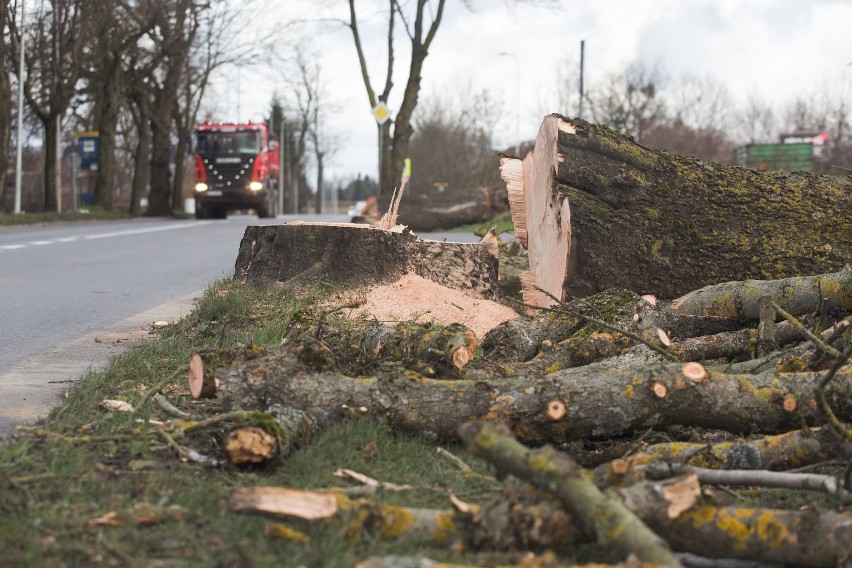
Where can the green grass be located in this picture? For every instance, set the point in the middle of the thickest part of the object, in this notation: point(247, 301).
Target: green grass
point(90, 487)
point(83, 214)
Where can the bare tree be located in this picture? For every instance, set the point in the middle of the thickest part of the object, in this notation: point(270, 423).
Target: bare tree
point(757, 121)
point(175, 27)
point(219, 42)
point(54, 67)
point(5, 99)
point(117, 27)
point(421, 30)
point(453, 143)
point(631, 102)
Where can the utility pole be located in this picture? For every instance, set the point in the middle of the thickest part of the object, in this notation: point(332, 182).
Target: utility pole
point(19, 161)
point(58, 148)
point(582, 66)
point(281, 166)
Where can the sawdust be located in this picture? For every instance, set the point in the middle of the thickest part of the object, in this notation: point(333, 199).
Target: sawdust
point(415, 298)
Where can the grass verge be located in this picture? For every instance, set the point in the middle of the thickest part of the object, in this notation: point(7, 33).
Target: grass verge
point(92, 487)
point(83, 214)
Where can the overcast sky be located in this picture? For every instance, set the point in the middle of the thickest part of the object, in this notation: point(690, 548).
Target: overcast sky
point(775, 49)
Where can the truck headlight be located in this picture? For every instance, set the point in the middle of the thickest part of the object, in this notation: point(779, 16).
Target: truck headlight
point(200, 187)
point(255, 186)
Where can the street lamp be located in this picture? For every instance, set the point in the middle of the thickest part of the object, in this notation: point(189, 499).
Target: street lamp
point(19, 161)
point(517, 94)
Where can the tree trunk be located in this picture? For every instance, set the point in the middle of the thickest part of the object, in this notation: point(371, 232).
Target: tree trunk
point(51, 197)
point(160, 194)
point(141, 164)
point(658, 223)
point(106, 118)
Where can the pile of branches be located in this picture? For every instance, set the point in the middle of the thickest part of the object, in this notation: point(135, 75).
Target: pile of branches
point(611, 418)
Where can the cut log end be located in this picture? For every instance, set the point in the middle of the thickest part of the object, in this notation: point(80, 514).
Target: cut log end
point(201, 384)
point(790, 403)
point(556, 409)
point(250, 445)
point(695, 372)
point(512, 172)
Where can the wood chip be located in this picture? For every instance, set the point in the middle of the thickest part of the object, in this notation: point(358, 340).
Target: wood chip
point(309, 505)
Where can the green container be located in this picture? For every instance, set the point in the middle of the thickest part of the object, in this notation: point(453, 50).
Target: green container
point(789, 157)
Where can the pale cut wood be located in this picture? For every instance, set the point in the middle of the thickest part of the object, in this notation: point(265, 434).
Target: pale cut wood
point(310, 505)
point(542, 217)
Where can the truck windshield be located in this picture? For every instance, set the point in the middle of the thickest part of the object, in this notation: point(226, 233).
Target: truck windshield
point(218, 142)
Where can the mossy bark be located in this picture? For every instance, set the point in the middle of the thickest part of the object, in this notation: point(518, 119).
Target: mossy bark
point(658, 223)
point(794, 449)
point(809, 538)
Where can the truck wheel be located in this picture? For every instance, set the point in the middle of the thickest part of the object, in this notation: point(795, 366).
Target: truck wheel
point(201, 212)
point(263, 213)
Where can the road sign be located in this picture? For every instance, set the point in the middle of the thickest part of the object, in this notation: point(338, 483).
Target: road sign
point(381, 112)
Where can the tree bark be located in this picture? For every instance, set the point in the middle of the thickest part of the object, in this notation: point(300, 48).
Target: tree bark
point(352, 256)
point(658, 223)
point(560, 407)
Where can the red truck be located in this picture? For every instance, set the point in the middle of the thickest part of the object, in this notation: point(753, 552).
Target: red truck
point(236, 167)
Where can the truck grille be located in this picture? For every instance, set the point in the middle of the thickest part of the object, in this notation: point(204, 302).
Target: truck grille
point(228, 172)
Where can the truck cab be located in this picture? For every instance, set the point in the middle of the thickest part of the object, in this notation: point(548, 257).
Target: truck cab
point(236, 168)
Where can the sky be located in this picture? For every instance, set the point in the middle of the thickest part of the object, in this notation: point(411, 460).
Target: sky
point(773, 49)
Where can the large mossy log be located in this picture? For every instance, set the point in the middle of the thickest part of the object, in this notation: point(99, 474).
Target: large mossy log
point(350, 256)
point(663, 224)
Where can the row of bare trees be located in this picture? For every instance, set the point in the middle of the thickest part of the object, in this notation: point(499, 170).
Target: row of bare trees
point(135, 71)
point(699, 116)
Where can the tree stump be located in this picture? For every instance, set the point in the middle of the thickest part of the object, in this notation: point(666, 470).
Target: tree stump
point(348, 256)
point(658, 223)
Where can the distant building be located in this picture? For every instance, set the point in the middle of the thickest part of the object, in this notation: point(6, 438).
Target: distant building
point(796, 151)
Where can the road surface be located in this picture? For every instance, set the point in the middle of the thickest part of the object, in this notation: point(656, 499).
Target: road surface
point(74, 295)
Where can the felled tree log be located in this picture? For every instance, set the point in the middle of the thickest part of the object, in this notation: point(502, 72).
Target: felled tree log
point(606, 518)
point(436, 211)
point(663, 224)
point(202, 383)
point(566, 405)
point(789, 450)
point(810, 538)
point(430, 350)
point(519, 518)
point(799, 295)
point(350, 256)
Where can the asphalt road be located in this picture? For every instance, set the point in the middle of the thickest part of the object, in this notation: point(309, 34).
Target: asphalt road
point(74, 295)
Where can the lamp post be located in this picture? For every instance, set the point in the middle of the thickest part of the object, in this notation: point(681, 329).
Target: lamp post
point(517, 94)
point(19, 161)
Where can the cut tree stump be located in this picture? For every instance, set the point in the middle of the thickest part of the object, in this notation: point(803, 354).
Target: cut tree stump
point(348, 256)
point(658, 223)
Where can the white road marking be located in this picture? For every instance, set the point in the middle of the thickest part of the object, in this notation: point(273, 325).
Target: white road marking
point(140, 231)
